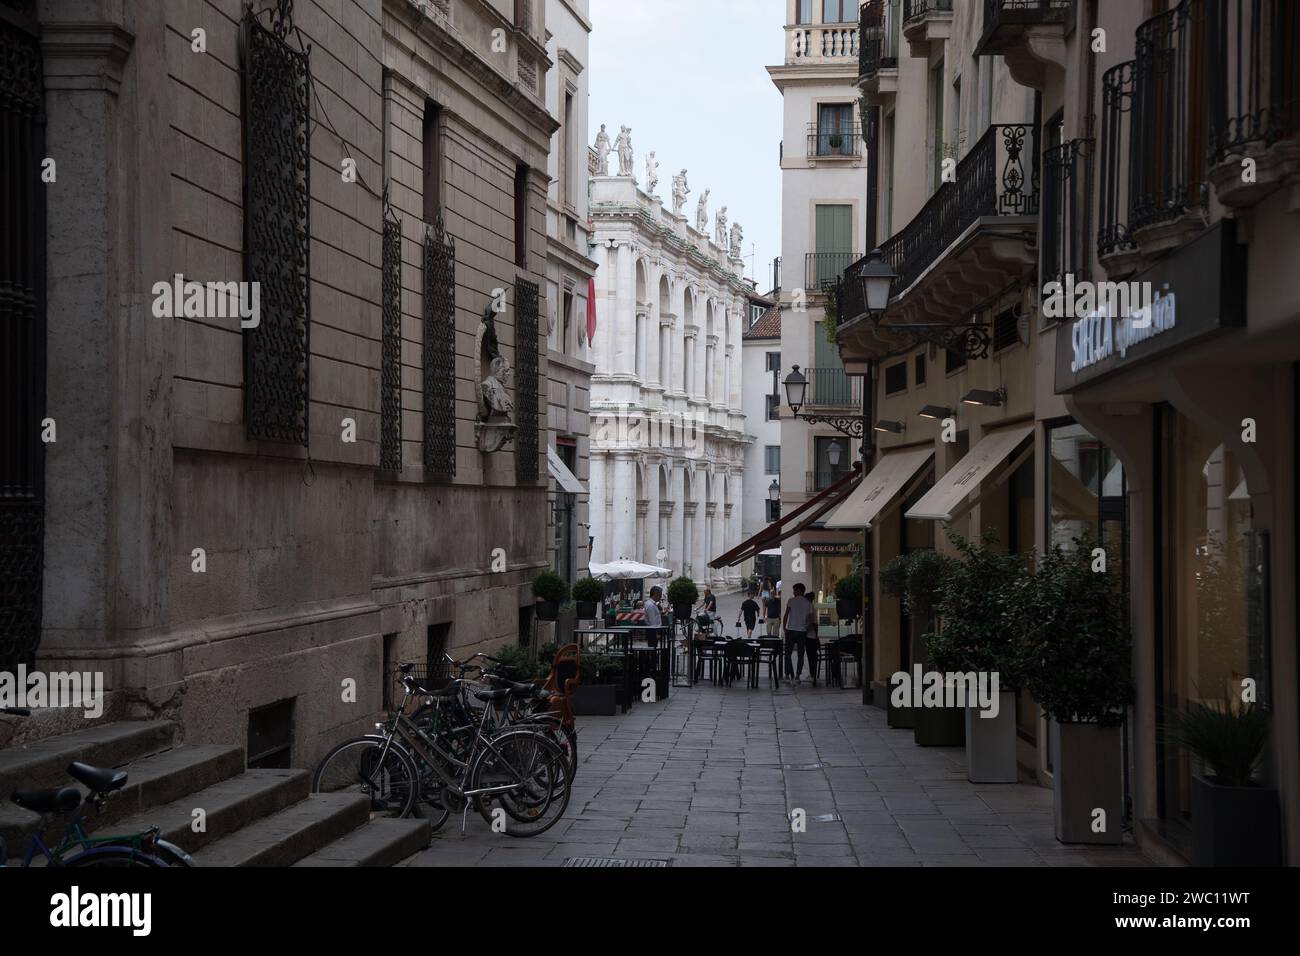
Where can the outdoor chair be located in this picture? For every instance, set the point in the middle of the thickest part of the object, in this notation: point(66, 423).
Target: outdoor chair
point(770, 652)
point(564, 676)
point(741, 661)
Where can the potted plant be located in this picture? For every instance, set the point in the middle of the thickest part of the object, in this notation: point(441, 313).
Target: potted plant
point(682, 595)
point(599, 686)
point(980, 609)
point(551, 591)
point(515, 663)
point(914, 578)
point(835, 141)
point(587, 593)
point(1235, 819)
point(848, 598)
point(1076, 664)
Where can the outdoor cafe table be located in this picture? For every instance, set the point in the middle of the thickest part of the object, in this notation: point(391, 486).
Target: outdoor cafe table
point(644, 651)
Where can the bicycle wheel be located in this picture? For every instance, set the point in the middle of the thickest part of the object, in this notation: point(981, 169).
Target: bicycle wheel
point(538, 772)
point(114, 856)
point(172, 855)
point(389, 779)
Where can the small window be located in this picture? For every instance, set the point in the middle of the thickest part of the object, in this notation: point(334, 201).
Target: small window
point(1006, 330)
point(896, 378)
point(773, 510)
point(920, 369)
point(436, 638)
point(772, 460)
point(270, 736)
point(804, 13)
point(521, 216)
point(432, 160)
point(838, 11)
point(773, 408)
point(774, 361)
point(953, 360)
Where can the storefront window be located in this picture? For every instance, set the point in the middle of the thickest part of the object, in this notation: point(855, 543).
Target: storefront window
point(829, 563)
point(1206, 517)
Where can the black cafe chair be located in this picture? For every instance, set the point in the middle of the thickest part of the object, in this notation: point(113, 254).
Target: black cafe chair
point(770, 650)
point(741, 661)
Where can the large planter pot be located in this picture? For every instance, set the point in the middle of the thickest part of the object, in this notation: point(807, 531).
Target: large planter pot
point(1087, 764)
point(548, 610)
point(991, 743)
point(682, 612)
point(939, 726)
point(1235, 826)
point(594, 700)
point(586, 610)
point(902, 717)
point(847, 610)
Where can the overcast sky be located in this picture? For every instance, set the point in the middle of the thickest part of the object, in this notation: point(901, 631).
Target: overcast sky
point(690, 78)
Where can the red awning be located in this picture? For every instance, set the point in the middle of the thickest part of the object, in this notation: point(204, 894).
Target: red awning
point(792, 523)
point(591, 311)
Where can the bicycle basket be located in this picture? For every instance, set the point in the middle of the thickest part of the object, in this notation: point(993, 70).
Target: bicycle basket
point(434, 676)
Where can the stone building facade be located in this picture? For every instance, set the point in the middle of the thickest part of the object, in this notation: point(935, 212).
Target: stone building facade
point(668, 431)
point(239, 519)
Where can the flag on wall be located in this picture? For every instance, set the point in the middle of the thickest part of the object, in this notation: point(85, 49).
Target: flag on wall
point(591, 310)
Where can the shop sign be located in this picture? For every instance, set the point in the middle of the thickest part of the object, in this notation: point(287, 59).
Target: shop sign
point(1194, 292)
point(840, 549)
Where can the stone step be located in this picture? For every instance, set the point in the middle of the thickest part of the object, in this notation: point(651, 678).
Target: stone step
point(384, 841)
point(151, 782)
point(228, 806)
point(45, 763)
point(284, 838)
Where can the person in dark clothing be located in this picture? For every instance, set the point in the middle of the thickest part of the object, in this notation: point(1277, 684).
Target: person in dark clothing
point(749, 611)
point(798, 616)
point(772, 614)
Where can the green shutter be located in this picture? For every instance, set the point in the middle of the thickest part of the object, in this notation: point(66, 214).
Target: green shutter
point(834, 241)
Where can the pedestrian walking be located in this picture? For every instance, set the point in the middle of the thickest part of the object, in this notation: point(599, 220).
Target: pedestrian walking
point(749, 611)
point(772, 613)
point(798, 614)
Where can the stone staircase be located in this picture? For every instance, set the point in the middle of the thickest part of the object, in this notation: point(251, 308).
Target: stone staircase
point(252, 817)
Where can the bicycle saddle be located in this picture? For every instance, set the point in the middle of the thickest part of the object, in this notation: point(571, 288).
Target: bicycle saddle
point(494, 695)
point(97, 779)
point(520, 690)
point(55, 799)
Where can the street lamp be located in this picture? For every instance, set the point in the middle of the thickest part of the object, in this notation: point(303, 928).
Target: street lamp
point(774, 491)
point(983, 396)
point(937, 412)
point(833, 452)
point(796, 389)
point(876, 278)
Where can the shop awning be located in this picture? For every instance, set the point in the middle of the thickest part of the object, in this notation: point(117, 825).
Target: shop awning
point(792, 523)
point(560, 472)
point(1071, 498)
point(887, 480)
point(947, 498)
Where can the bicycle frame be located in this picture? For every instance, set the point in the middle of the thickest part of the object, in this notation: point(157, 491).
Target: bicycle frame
point(75, 836)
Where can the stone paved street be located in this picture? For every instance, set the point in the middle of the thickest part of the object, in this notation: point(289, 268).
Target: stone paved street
point(709, 777)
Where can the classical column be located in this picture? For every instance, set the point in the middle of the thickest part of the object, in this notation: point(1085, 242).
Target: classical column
point(736, 485)
point(719, 542)
point(597, 510)
point(652, 337)
point(677, 545)
point(622, 523)
point(699, 563)
point(622, 324)
point(651, 511)
point(642, 363)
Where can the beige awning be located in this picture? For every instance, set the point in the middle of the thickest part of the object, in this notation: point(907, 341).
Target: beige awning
point(560, 472)
point(1072, 500)
point(947, 498)
point(885, 482)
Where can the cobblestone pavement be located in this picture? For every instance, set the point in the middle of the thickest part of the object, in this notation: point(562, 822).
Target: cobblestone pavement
point(710, 776)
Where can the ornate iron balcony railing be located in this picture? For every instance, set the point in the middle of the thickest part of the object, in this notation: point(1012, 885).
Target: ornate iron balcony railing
point(878, 37)
point(1066, 233)
point(1003, 17)
point(1117, 159)
point(823, 269)
point(998, 177)
point(1255, 79)
point(845, 141)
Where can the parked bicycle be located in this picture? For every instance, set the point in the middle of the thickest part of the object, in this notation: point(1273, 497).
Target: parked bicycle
point(441, 765)
point(77, 847)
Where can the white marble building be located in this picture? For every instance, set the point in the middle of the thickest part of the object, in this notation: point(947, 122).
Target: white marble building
point(667, 432)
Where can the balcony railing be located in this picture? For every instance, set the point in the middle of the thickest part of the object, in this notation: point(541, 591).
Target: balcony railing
point(826, 42)
point(822, 479)
point(1255, 82)
point(831, 388)
point(1067, 210)
point(919, 8)
point(823, 269)
point(1003, 17)
point(878, 37)
point(1117, 159)
point(998, 177)
point(834, 142)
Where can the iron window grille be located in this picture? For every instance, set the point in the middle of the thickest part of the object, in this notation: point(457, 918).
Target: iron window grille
point(276, 94)
point(1067, 210)
point(1006, 330)
point(439, 352)
point(527, 296)
point(22, 338)
point(1117, 159)
point(390, 431)
point(1257, 101)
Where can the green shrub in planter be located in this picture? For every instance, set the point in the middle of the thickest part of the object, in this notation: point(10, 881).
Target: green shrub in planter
point(551, 590)
point(515, 662)
point(682, 594)
point(1076, 653)
point(916, 578)
point(587, 593)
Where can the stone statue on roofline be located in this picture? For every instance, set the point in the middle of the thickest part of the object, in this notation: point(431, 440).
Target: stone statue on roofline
point(602, 152)
point(702, 213)
point(720, 227)
point(651, 173)
point(626, 165)
point(737, 240)
point(680, 192)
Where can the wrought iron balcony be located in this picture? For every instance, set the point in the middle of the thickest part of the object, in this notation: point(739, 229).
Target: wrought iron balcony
point(1066, 234)
point(1117, 160)
point(832, 388)
point(832, 143)
point(878, 37)
point(823, 269)
point(1254, 93)
point(998, 177)
point(1005, 21)
point(915, 9)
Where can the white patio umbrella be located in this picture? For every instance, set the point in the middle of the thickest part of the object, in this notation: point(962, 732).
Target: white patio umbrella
point(623, 570)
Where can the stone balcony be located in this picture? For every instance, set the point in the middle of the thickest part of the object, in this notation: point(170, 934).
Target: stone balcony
point(1029, 35)
point(827, 44)
point(926, 22)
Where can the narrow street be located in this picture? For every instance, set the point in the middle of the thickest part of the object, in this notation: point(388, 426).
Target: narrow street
point(711, 776)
